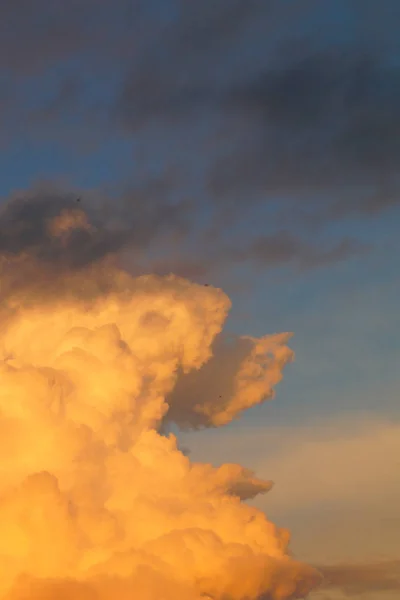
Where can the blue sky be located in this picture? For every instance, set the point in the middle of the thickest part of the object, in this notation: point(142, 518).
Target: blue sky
point(273, 129)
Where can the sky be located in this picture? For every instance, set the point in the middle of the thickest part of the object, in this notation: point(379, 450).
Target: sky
point(252, 146)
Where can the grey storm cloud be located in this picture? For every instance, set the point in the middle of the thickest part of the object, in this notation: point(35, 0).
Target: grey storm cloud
point(177, 73)
point(319, 123)
point(300, 116)
point(307, 118)
point(136, 221)
point(315, 124)
point(35, 36)
point(24, 229)
point(133, 220)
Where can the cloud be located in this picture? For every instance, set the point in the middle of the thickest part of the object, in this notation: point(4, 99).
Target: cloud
point(86, 382)
point(49, 225)
point(317, 122)
point(287, 127)
point(301, 117)
point(171, 79)
point(335, 482)
point(363, 578)
point(302, 113)
point(242, 373)
point(48, 33)
point(53, 228)
point(282, 248)
point(154, 229)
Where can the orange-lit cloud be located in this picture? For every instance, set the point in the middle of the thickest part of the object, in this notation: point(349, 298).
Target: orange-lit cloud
point(95, 503)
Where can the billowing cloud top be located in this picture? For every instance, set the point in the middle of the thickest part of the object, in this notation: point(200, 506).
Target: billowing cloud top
point(95, 503)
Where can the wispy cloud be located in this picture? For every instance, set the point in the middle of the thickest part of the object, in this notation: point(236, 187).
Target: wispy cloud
point(357, 579)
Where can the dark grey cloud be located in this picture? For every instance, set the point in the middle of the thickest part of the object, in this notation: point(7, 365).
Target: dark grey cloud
point(25, 228)
point(307, 115)
point(133, 220)
point(139, 227)
point(35, 36)
point(277, 250)
point(38, 245)
point(319, 124)
point(284, 248)
point(196, 268)
point(301, 116)
point(49, 237)
point(179, 71)
point(259, 102)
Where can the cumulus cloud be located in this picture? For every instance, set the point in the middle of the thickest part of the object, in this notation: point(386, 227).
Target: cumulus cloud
point(241, 373)
point(336, 488)
point(95, 502)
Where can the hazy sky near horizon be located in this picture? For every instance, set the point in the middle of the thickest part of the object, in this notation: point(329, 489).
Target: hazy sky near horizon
point(252, 145)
